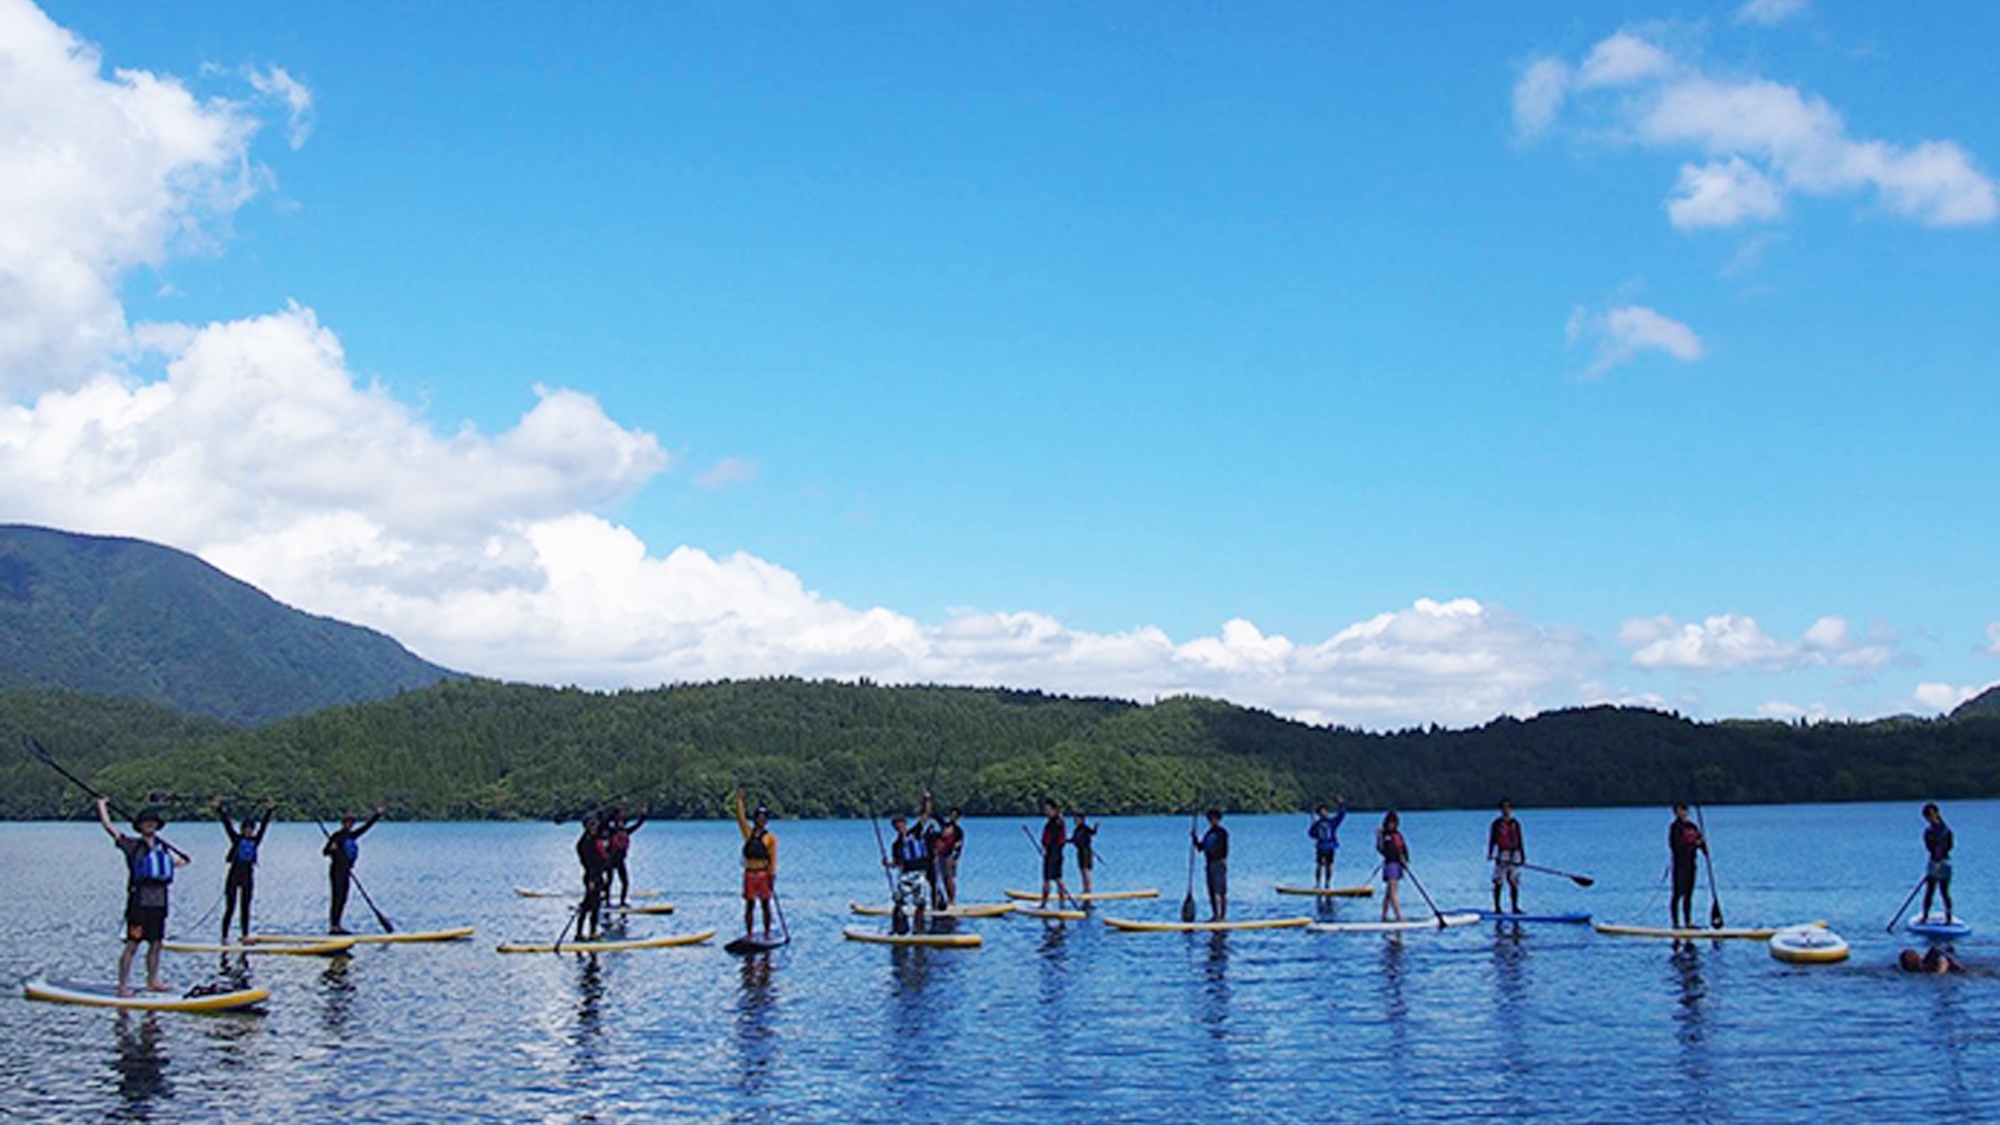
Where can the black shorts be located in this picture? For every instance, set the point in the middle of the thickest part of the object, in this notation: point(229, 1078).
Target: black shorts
point(1052, 866)
point(145, 923)
point(1683, 879)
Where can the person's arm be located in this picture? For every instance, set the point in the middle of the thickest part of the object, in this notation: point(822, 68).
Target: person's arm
point(1493, 840)
point(264, 825)
point(771, 846)
point(742, 818)
point(228, 829)
point(370, 822)
point(632, 826)
point(104, 817)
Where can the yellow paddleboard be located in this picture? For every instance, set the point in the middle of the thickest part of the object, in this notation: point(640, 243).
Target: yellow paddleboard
point(458, 933)
point(106, 996)
point(1206, 927)
point(1094, 896)
point(1051, 912)
point(1739, 933)
point(928, 941)
point(326, 948)
point(962, 910)
point(1359, 890)
point(605, 946)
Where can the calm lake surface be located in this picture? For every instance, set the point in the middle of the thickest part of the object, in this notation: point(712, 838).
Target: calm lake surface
point(1046, 1022)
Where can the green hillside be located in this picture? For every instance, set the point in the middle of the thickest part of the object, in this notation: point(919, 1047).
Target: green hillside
point(476, 749)
point(130, 618)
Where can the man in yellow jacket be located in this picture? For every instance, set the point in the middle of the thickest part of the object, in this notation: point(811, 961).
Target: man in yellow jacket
point(760, 863)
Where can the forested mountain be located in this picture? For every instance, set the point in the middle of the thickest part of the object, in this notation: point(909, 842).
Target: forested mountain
point(476, 749)
point(130, 618)
point(1986, 704)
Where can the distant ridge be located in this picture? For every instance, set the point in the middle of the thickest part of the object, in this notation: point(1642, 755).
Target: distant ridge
point(125, 617)
point(1985, 704)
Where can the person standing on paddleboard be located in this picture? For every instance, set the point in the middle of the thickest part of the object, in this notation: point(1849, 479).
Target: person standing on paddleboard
point(1083, 837)
point(1505, 848)
point(1325, 833)
point(592, 855)
point(149, 872)
point(1937, 846)
point(911, 861)
point(241, 882)
point(760, 862)
point(617, 846)
point(1054, 840)
point(946, 847)
point(1214, 847)
point(927, 826)
point(1685, 844)
point(1395, 852)
point(342, 849)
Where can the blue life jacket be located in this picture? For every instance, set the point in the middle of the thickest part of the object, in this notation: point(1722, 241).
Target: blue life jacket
point(911, 853)
point(154, 864)
point(246, 850)
point(350, 849)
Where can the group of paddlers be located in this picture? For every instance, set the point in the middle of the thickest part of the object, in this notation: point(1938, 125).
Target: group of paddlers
point(602, 850)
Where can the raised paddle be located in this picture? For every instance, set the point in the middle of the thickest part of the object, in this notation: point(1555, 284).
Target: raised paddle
point(1579, 880)
point(1187, 903)
point(1907, 900)
point(1435, 912)
point(1714, 897)
point(897, 923)
point(381, 919)
point(35, 747)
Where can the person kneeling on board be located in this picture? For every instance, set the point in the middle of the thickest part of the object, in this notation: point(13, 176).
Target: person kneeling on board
point(760, 863)
point(149, 870)
point(911, 861)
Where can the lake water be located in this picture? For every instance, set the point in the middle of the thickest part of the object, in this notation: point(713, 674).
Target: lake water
point(1046, 1022)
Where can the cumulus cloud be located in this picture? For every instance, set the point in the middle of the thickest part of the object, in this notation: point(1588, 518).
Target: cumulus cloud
point(98, 176)
point(1621, 335)
point(1732, 641)
point(1770, 13)
point(1759, 141)
point(1942, 697)
point(1992, 639)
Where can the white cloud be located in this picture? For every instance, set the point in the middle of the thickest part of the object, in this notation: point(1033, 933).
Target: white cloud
point(1538, 97)
point(1760, 140)
point(1993, 639)
point(728, 471)
point(98, 176)
point(1623, 334)
point(1731, 641)
point(296, 98)
point(1942, 697)
point(1770, 13)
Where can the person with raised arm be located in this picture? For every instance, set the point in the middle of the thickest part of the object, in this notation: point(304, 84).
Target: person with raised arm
point(245, 838)
point(343, 850)
point(760, 863)
point(150, 863)
point(1325, 833)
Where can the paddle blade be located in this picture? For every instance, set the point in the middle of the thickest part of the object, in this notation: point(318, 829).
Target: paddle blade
point(1715, 914)
point(1583, 880)
point(1187, 907)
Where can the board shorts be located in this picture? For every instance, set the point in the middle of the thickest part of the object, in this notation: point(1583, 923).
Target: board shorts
point(145, 923)
point(1391, 871)
point(912, 889)
point(757, 886)
point(1507, 871)
point(1084, 859)
point(1218, 877)
point(1051, 866)
point(1939, 871)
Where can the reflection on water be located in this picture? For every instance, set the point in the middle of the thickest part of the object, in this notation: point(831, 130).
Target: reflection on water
point(1691, 1027)
point(1214, 1010)
point(755, 1038)
point(141, 1063)
point(336, 995)
point(585, 1039)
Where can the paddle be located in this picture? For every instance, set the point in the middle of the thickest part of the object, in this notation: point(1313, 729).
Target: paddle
point(35, 747)
point(1579, 880)
point(1187, 903)
point(556, 946)
point(381, 919)
point(897, 923)
point(1714, 898)
point(1435, 912)
point(1907, 900)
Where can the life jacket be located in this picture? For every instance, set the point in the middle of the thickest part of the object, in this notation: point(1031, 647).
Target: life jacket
point(757, 847)
point(245, 850)
point(1391, 847)
point(947, 839)
point(1507, 836)
point(1683, 839)
point(1052, 835)
point(911, 852)
point(153, 864)
point(1325, 831)
point(350, 850)
point(1937, 842)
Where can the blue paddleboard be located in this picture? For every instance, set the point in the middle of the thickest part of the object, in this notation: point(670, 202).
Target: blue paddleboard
point(1931, 928)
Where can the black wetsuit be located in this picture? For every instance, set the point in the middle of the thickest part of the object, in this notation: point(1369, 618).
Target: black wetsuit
point(342, 848)
point(240, 885)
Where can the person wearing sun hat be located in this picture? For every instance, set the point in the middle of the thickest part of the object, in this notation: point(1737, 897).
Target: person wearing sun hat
point(150, 863)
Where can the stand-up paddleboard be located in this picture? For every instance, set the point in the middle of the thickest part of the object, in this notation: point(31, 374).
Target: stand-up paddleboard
point(620, 946)
point(1359, 890)
point(1934, 927)
point(1440, 922)
point(1808, 945)
point(648, 908)
point(1094, 896)
point(327, 948)
point(106, 996)
point(1740, 933)
point(749, 944)
point(928, 941)
point(400, 937)
point(960, 910)
point(1578, 918)
point(1061, 914)
point(551, 892)
point(1131, 926)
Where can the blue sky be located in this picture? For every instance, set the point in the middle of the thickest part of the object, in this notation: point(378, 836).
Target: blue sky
point(1374, 366)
